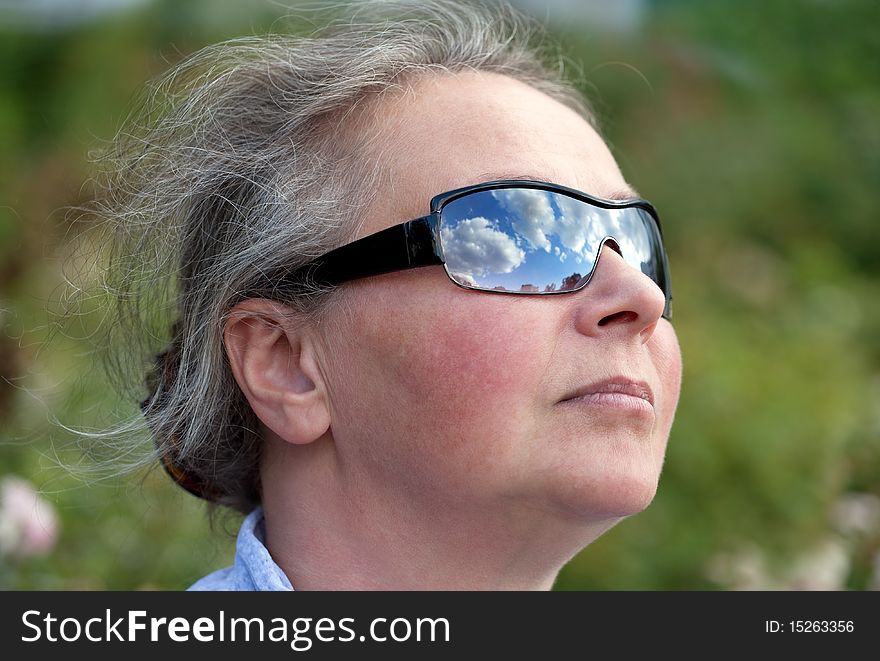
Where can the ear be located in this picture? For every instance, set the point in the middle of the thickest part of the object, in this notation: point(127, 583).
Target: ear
point(275, 365)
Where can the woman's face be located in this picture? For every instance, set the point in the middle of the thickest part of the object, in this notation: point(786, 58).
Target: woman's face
point(455, 397)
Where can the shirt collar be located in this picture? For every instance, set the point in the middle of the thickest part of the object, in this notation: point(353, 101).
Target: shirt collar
point(254, 568)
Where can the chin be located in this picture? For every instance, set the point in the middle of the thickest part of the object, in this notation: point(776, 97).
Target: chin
point(611, 495)
point(628, 496)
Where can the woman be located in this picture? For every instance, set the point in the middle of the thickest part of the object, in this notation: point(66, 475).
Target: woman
point(478, 383)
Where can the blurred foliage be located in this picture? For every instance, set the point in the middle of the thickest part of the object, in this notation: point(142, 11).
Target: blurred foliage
point(755, 129)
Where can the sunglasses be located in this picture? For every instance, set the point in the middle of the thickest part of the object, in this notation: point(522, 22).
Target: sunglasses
point(507, 237)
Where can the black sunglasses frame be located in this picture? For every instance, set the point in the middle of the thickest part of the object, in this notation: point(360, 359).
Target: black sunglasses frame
point(416, 243)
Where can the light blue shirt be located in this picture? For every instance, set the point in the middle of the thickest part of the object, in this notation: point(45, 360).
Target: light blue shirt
point(253, 569)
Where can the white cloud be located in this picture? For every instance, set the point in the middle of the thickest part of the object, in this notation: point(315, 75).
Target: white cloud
point(474, 247)
point(534, 217)
point(634, 238)
point(579, 224)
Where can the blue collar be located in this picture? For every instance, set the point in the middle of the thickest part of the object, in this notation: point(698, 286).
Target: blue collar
point(254, 569)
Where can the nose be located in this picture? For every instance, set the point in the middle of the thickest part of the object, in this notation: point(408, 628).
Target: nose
point(619, 298)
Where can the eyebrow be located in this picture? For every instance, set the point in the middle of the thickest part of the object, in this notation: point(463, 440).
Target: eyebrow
point(625, 193)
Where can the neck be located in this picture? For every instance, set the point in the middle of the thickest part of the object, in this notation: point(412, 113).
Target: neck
point(329, 528)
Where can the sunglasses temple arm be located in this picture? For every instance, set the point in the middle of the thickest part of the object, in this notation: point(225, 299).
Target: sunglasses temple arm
point(412, 244)
point(423, 241)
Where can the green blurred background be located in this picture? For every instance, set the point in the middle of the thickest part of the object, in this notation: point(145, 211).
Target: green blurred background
point(753, 126)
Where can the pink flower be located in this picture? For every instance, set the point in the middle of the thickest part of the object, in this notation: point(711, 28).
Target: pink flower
point(28, 523)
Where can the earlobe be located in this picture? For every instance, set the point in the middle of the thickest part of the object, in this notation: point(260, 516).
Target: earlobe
point(275, 365)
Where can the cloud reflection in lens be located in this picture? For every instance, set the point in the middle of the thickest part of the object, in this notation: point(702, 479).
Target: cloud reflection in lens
point(532, 240)
point(476, 247)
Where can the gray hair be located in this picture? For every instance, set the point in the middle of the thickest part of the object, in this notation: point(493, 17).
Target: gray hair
point(250, 157)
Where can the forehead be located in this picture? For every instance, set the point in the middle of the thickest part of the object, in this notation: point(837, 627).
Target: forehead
point(455, 130)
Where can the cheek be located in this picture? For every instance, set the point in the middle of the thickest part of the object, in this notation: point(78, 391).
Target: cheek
point(666, 355)
point(464, 356)
point(442, 371)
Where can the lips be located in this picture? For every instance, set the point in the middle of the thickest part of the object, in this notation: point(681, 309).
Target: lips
point(618, 385)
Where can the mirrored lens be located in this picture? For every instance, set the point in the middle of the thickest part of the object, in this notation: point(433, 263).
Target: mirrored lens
point(536, 241)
